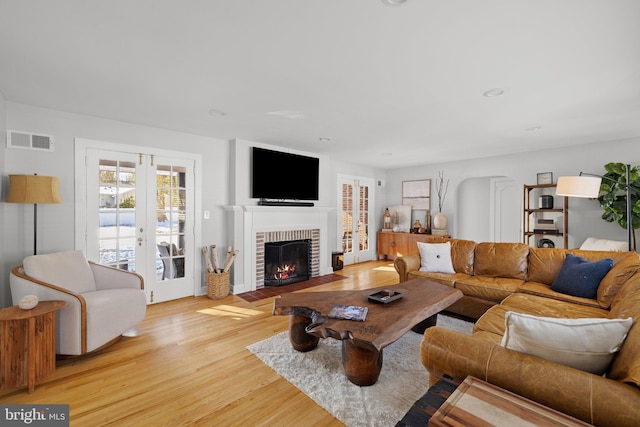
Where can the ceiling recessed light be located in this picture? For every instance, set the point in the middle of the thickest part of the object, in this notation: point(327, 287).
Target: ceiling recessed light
point(324, 139)
point(215, 112)
point(393, 2)
point(387, 154)
point(289, 114)
point(534, 128)
point(493, 92)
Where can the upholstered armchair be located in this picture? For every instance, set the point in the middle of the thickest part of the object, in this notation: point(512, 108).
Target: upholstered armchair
point(102, 302)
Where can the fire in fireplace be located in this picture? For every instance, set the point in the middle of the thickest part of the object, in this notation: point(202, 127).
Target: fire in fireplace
point(286, 262)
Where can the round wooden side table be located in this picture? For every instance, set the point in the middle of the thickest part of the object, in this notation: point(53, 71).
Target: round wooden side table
point(28, 343)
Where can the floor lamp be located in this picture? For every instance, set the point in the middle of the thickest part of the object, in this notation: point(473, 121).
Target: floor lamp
point(587, 185)
point(34, 189)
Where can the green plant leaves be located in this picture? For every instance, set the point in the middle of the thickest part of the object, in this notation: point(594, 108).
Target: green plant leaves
point(613, 194)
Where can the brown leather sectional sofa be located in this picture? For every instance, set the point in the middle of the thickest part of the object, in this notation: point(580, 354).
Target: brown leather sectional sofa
point(500, 277)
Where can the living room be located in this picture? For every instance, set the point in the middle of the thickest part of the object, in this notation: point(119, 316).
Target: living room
point(603, 128)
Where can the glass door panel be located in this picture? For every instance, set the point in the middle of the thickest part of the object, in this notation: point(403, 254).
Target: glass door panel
point(363, 219)
point(116, 213)
point(171, 221)
point(347, 219)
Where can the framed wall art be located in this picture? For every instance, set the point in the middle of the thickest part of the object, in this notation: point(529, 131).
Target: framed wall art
point(417, 194)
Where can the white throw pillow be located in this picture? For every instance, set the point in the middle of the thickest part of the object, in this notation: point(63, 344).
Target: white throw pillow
point(435, 257)
point(585, 344)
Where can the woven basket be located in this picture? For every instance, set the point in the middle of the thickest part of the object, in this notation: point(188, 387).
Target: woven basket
point(217, 285)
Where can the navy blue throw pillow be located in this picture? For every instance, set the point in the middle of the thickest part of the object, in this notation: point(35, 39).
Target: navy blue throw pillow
point(581, 278)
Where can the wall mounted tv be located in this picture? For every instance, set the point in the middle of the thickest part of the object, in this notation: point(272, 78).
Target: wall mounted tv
point(276, 175)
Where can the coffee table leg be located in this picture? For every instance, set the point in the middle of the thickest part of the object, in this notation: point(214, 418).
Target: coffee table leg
point(300, 339)
point(425, 324)
point(361, 365)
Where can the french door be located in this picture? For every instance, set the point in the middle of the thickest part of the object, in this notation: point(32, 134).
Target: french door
point(355, 223)
point(140, 217)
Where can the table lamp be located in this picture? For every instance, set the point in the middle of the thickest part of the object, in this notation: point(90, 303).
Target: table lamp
point(34, 189)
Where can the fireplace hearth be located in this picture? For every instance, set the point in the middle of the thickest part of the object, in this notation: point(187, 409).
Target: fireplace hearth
point(286, 262)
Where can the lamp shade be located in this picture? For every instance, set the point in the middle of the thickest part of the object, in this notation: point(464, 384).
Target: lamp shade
point(33, 189)
point(578, 186)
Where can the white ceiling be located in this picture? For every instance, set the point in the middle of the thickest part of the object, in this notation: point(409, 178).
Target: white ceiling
point(391, 86)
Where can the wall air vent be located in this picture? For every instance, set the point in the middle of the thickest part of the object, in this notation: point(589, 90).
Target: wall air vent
point(29, 141)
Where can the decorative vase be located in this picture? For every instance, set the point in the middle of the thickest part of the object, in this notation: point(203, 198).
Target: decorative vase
point(440, 221)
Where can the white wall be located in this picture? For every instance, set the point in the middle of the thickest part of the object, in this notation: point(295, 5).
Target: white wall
point(241, 179)
point(240, 182)
point(56, 222)
point(584, 214)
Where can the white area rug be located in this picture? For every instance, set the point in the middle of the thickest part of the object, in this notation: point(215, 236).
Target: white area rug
point(319, 374)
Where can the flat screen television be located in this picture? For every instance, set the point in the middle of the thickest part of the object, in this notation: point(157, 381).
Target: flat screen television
point(276, 175)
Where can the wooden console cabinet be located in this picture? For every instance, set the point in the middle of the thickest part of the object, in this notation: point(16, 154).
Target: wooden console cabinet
point(392, 245)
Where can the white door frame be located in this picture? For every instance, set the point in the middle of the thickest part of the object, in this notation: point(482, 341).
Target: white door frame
point(80, 166)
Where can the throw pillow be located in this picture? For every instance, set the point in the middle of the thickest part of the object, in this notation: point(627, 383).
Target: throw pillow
point(581, 278)
point(585, 344)
point(621, 271)
point(435, 257)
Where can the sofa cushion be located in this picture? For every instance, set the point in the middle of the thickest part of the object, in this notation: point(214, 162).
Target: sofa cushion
point(69, 270)
point(493, 319)
point(621, 271)
point(540, 289)
point(435, 257)
point(462, 255)
point(501, 260)
point(626, 364)
point(544, 264)
point(580, 277)
point(585, 344)
point(444, 278)
point(489, 288)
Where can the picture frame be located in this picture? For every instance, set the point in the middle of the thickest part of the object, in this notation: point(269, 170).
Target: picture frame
point(417, 194)
point(545, 178)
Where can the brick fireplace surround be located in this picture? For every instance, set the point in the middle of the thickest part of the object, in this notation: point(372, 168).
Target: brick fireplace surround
point(253, 226)
point(287, 236)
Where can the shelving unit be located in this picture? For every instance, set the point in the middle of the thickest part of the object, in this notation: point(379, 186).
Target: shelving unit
point(531, 213)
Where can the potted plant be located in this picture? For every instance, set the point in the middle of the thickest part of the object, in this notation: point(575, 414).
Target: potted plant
point(613, 196)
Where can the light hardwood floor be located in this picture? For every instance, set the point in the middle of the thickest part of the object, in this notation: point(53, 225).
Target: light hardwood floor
point(188, 365)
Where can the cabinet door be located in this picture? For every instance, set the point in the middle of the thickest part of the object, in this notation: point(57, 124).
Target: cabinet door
point(386, 245)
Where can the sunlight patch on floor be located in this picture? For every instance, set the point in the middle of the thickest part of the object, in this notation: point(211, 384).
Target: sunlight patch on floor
point(385, 268)
point(230, 311)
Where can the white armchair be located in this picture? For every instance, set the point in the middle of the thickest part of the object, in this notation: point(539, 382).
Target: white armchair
point(102, 302)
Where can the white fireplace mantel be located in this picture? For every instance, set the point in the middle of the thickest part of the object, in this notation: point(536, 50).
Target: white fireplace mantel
point(248, 220)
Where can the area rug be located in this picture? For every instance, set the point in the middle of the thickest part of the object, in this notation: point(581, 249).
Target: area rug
point(319, 374)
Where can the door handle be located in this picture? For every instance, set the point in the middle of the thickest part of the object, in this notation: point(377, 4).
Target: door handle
point(140, 240)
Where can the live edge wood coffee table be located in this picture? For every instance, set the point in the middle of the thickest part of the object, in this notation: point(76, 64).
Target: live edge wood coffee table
point(362, 342)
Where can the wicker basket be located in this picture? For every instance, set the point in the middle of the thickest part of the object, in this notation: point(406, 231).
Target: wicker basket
point(217, 285)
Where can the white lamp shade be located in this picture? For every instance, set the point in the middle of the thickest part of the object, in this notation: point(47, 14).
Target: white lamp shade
point(578, 186)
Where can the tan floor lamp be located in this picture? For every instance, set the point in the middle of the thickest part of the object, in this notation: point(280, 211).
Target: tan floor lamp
point(34, 189)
